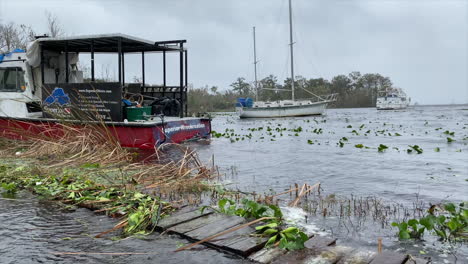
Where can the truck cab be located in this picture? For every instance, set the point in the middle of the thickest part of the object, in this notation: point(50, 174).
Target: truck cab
point(17, 98)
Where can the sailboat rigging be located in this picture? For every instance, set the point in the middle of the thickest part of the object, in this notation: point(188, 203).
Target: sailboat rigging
point(246, 108)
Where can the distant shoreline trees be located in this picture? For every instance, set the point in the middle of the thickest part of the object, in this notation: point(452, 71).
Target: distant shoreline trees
point(14, 36)
point(354, 90)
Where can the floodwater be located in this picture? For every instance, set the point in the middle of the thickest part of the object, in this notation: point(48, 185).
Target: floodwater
point(270, 155)
point(307, 151)
point(275, 162)
point(36, 231)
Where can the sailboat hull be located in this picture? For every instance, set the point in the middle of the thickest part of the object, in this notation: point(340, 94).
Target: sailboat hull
point(283, 111)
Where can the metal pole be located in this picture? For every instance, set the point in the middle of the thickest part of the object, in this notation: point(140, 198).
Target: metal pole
point(92, 61)
point(181, 83)
point(42, 65)
point(164, 73)
point(143, 68)
point(66, 62)
point(186, 84)
point(119, 51)
point(255, 65)
point(292, 52)
point(123, 68)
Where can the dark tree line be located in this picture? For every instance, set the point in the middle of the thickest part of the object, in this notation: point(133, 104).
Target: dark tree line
point(354, 90)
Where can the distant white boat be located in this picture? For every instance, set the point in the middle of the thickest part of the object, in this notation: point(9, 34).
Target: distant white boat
point(283, 108)
point(392, 99)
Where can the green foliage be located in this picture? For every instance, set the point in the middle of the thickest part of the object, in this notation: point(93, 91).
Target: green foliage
point(415, 148)
point(382, 148)
point(359, 146)
point(449, 133)
point(450, 140)
point(140, 210)
point(248, 209)
point(10, 188)
point(342, 141)
point(241, 87)
point(354, 90)
point(290, 238)
point(317, 131)
point(90, 165)
point(451, 225)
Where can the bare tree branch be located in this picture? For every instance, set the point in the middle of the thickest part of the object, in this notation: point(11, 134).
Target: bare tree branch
point(53, 25)
point(11, 37)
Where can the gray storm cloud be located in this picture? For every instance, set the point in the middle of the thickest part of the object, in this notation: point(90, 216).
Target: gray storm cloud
point(421, 45)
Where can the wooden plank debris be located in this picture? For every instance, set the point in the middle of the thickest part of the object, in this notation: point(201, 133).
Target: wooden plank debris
point(358, 257)
point(196, 223)
point(216, 227)
point(267, 255)
point(317, 242)
point(388, 257)
point(235, 228)
point(236, 235)
point(413, 260)
point(182, 217)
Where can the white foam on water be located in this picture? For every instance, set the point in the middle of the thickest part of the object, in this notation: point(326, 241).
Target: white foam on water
point(297, 216)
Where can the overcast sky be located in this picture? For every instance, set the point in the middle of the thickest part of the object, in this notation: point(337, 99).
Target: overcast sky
point(422, 45)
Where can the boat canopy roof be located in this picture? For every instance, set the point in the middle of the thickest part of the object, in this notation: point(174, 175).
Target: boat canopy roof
point(107, 43)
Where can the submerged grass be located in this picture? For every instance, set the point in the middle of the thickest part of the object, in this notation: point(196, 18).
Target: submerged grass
point(87, 167)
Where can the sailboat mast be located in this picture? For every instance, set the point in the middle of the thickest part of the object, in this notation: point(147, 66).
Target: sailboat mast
point(292, 50)
point(255, 65)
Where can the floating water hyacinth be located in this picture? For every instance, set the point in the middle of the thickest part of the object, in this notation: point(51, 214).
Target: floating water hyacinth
point(415, 148)
point(382, 148)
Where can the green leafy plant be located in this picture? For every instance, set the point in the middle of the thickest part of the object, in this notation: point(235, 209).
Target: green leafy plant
point(415, 148)
point(449, 133)
point(290, 238)
point(382, 148)
point(10, 188)
point(452, 224)
point(450, 140)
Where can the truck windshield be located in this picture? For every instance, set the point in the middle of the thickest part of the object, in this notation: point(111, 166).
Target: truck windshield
point(12, 80)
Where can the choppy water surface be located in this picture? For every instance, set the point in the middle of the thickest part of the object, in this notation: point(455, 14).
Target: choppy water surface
point(31, 230)
point(35, 231)
point(260, 156)
point(271, 161)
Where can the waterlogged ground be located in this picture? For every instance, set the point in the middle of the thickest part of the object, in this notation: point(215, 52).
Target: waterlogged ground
point(341, 150)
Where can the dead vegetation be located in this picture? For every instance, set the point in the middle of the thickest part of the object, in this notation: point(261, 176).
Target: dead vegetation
point(95, 146)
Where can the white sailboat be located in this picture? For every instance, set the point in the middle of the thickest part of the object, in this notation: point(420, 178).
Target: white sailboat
point(284, 108)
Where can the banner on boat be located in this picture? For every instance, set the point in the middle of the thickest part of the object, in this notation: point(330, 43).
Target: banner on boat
point(83, 101)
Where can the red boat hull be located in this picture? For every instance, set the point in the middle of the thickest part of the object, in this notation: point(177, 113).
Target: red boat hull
point(132, 135)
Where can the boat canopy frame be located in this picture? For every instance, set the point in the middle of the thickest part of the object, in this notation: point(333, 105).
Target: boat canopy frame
point(122, 44)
